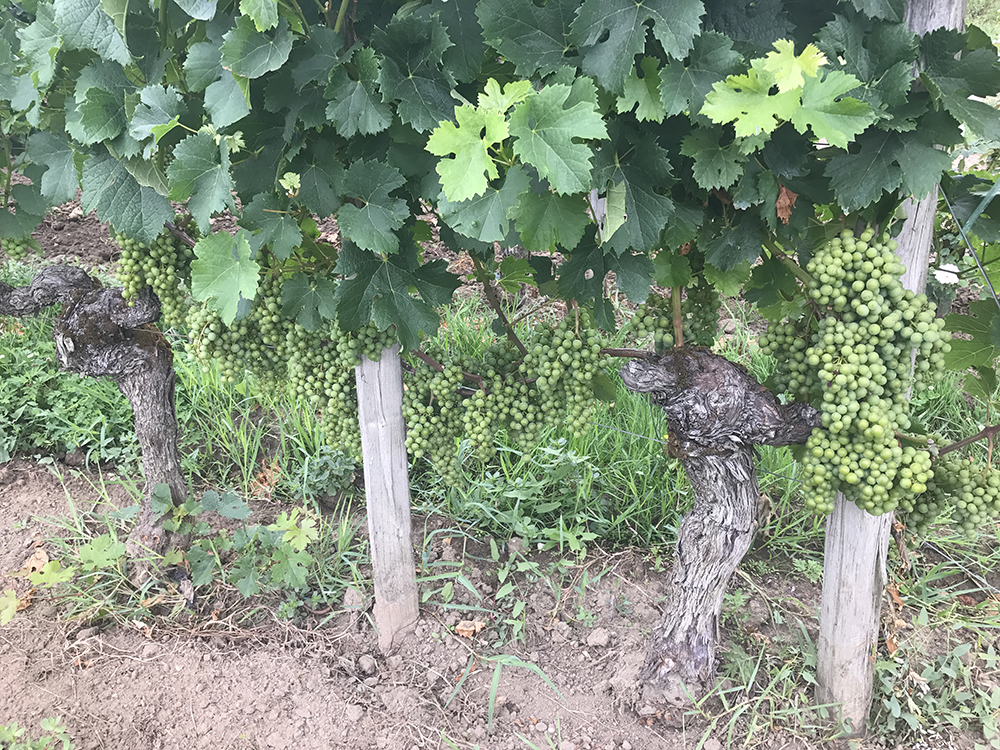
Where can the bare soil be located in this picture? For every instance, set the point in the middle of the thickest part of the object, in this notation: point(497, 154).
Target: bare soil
point(200, 680)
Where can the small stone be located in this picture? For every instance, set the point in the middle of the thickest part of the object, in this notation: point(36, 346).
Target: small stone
point(712, 744)
point(599, 638)
point(626, 745)
point(367, 664)
point(541, 727)
point(354, 713)
point(371, 681)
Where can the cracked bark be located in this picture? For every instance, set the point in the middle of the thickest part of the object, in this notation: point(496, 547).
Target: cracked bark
point(99, 335)
point(716, 413)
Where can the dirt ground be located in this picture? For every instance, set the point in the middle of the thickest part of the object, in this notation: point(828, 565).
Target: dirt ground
point(200, 681)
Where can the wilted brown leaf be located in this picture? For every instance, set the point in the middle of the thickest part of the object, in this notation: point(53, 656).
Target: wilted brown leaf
point(785, 203)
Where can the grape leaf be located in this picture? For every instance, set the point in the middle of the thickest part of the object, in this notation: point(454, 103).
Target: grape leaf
point(533, 36)
point(643, 94)
point(277, 228)
point(199, 174)
point(102, 115)
point(263, 12)
point(832, 117)
point(411, 73)
point(202, 66)
point(378, 290)
point(582, 276)
point(746, 101)
point(29, 214)
point(309, 300)
point(226, 101)
point(493, 98)
point(84, 25)
point(116, 197)
point(251, 53)
point(742, 243)
point(859, 180)
point(922, 164)
point(101, 552)
point(891, 10)
point(545, 134)
point(684, 85)
point(222, 272)
point(790, 71)
point(545, 220)
point(314, 60)
point(966, 354)
point(40, 43)
point(61, 177)
point(643, 167)
point(715, 166)
point(671, 269)
point(464, 173)
point(158, 112)
point(729, 282)
point(486, 217)
point(229, 505)
point(355, 104)
point(320, 178)
point(612, 32)
point(203, 10)
point(465, 58)
point(633, 274)
point(372, 226)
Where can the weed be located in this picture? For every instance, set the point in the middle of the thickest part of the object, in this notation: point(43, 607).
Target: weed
point(12, 737)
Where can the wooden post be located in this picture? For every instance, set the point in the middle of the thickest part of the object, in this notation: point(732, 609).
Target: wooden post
point(387, 492)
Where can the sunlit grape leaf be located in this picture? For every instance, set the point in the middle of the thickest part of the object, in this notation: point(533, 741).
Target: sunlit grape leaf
point(715, 166)
point(310, 300)
point(355, 105)
point(251, 53)
point(84, 25)
point(643, 94)
point(199, 174)
point(411, 73)
point(494, 98)
point(263, 12)
point(685, 84)
point(790, 71)
point(832, 116)
point(467, 163)
point(100, 552)
point(61, 177)
point(747, 102)
point(223, 272)
point(534, 36)
point(373, 224)
point(116, 197)
point(546, 134)
point(611, 32)
point(487, 217)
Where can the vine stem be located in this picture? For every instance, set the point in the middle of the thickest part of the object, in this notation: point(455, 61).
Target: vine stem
point(675, 302)
point(986, 432)
point(434, 364)
point(8, 171)
point(179, 233)
point(626, 353)
point(494, 302)
point(340, 15)
point(797, 270)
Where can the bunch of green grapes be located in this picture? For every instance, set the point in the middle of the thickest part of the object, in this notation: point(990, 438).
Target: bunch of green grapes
point(652, 317)
point(700, 310)
point(16, 248)
point(432, 408)
point(851, 358)
point(972, 492)
point(164, 267)
point(212, 341)
point(264, 349)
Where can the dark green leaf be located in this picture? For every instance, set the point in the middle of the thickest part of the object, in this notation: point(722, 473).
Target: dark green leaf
point(200, 175)
point(715, 166)
point(201, 565)
point(226, 101)
point(485, 218)
point(308, 300)
point(116, 197)
point(891, 10)
point(203, 10)
point(40, 42)
point(314, 60)
point(202, 66)
point(61, 178)
point(372, 226)
point(465, 58)
point(320, 179)
point(684, 85)
point(355, 104)
point(613, 31)
point(229, 505)
point(545, 219)
point(604, 387)
point(84, 25)
point(966, 354)
point(158, 112)
point(534, 36)
point(742, 243)
point(277, 228)
point(859, 179)
point(671, 269)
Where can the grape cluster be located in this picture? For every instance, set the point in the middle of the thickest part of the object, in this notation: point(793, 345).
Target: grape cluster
point(850, 356)
point(17, 248)
point(700, 310)
point(164, 267)
point(972, 492)
point(432, 408)
point(652, 317)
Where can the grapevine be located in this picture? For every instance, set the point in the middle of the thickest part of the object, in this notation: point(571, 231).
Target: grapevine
point(17, 248)
point(164, 266)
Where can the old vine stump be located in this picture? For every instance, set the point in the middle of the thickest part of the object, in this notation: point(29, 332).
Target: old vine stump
point(716, 413)
point(98, 334)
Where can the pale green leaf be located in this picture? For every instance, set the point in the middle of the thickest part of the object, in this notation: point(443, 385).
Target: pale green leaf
point(643, 94)
point(199, 174)
point(250, 53)
point(833, 117)
point(466, 147)
point(84, 25)
point(222, 272)
point(263, 12)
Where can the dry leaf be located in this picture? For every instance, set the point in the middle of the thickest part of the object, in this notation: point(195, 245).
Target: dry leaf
point(469, 628)
point(785, 203)
point(35, 562)
point(890, 644)
point(25, 601)
point(894, 593)
point(967, 600)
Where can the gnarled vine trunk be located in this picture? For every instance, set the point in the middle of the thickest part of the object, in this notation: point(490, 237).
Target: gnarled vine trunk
point(98, 334)
point(716, 413)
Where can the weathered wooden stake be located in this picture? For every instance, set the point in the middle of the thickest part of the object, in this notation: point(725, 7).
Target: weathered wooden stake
point(387, 489)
